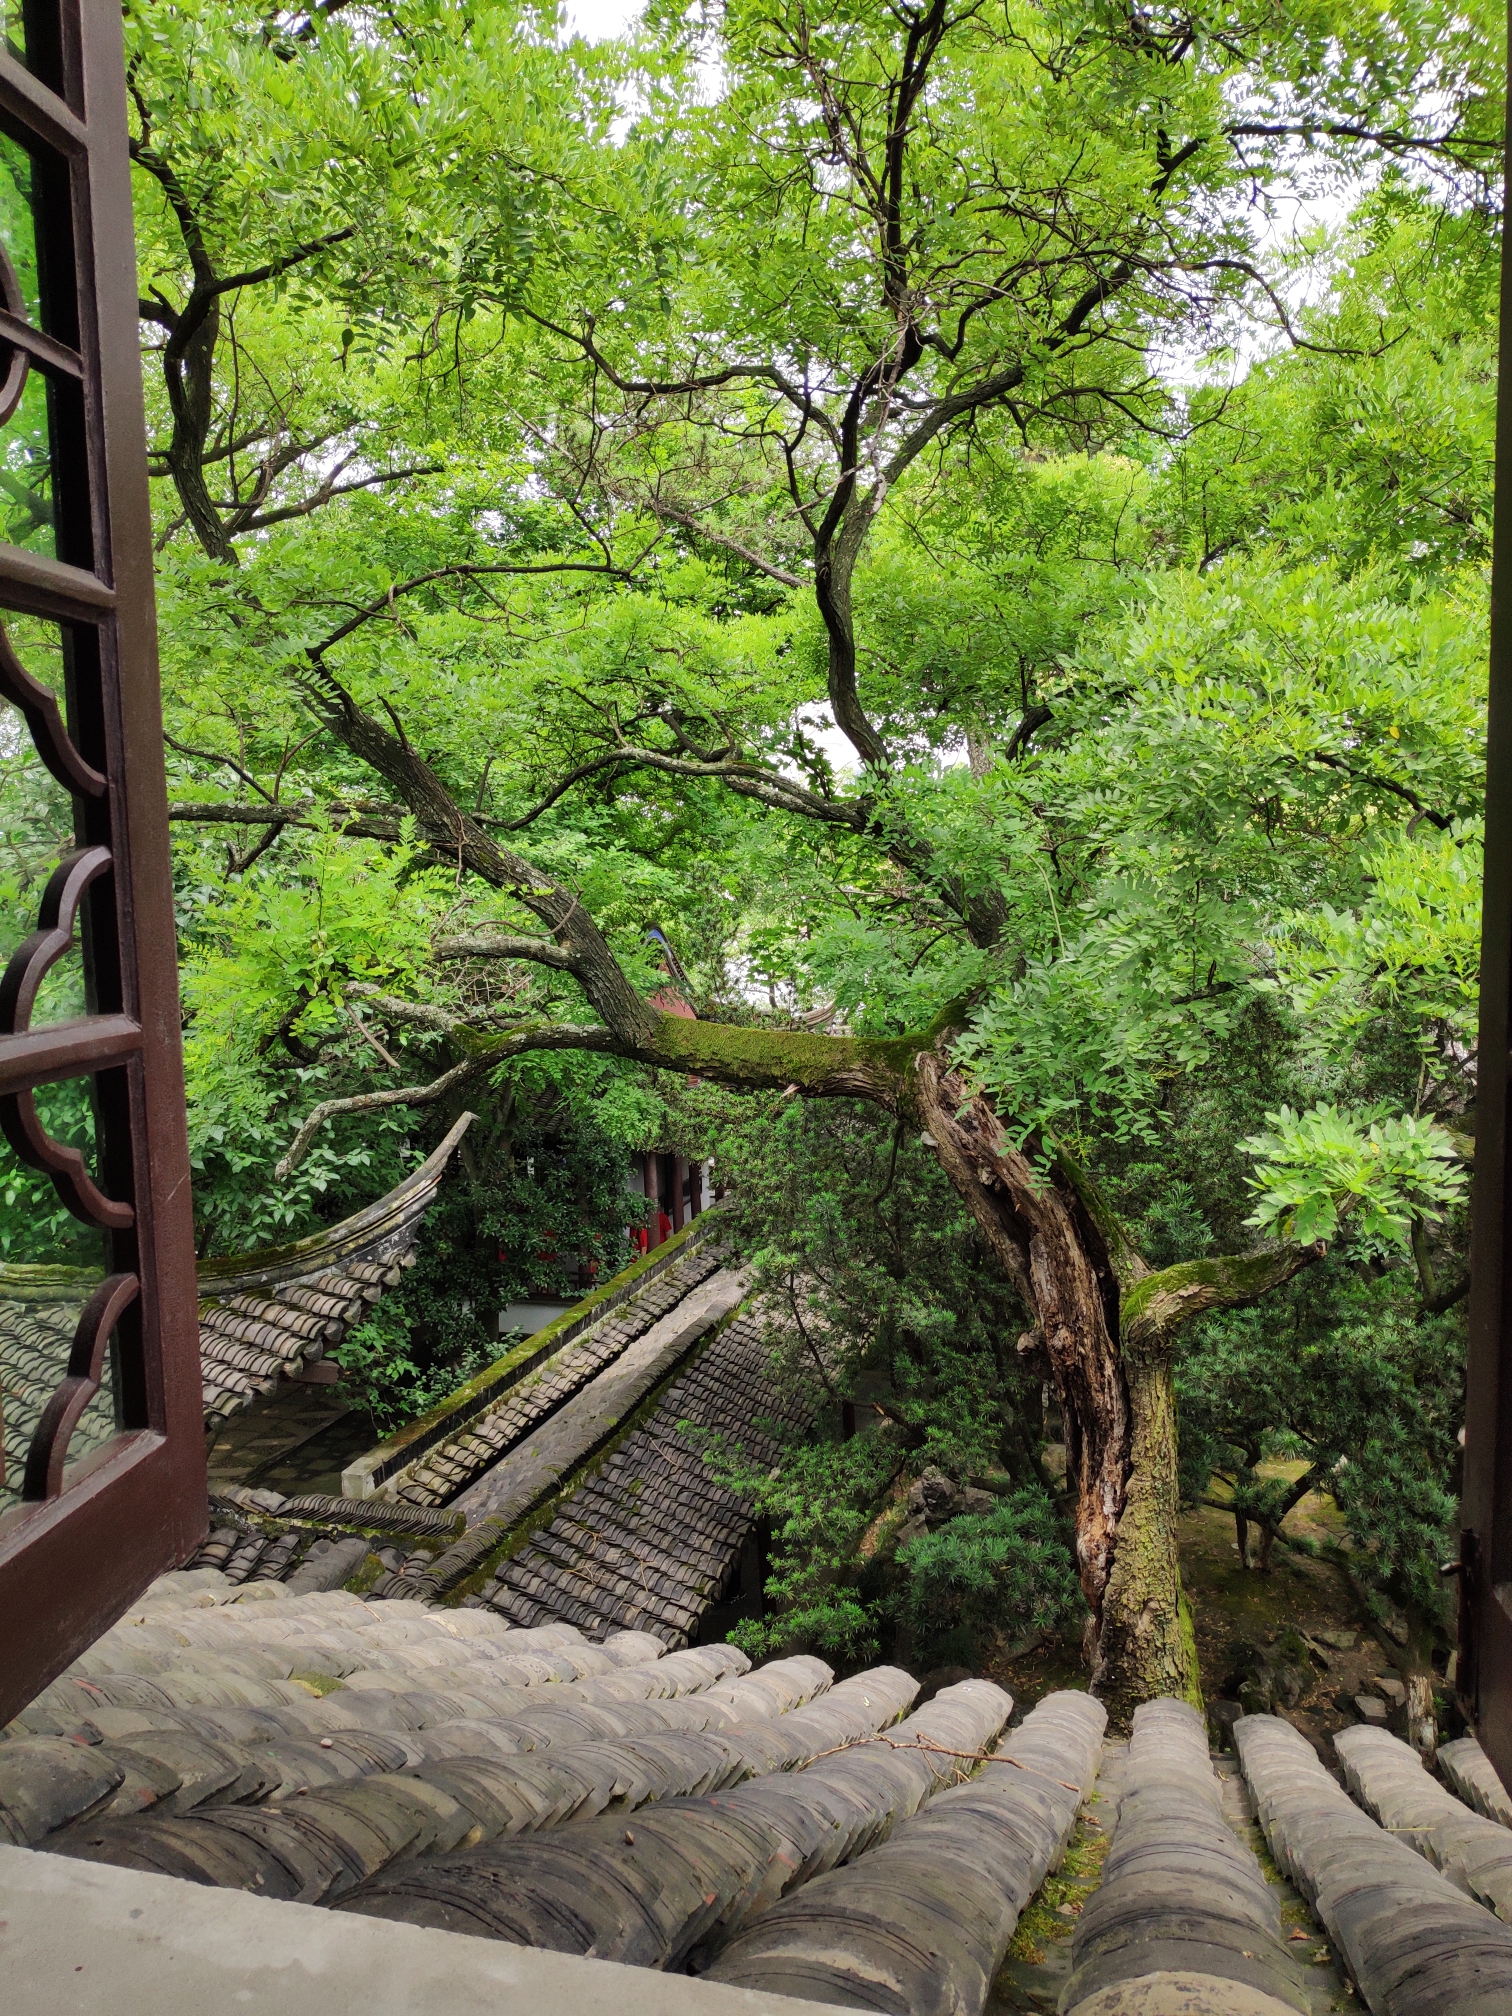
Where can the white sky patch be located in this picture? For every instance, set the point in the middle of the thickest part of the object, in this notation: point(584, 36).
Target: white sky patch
point(819, 725)
point(1288, 252)
point(601, 20)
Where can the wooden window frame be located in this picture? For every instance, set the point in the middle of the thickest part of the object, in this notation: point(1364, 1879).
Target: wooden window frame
point(88, 1538)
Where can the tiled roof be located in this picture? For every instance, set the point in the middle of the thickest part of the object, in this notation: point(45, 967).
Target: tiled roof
point(267, 1315)
point(263, 1316)
point(1469, 1774)
point(1388, 1780)
point(922, 1921)
point(460, 1460)
point(538, 1766)
point(647, 1538)
point(1181, 1894)
point(769, 1828)
point(648, 1541)
point(39, 1311)
point(1415, 1944)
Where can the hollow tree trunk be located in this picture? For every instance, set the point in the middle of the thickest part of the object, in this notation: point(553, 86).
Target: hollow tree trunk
point(1422, 1717)
point(1118, 1404)
point(1416, 1667)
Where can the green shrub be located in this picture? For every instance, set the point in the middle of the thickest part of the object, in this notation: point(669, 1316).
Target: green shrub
point(1005, 1572)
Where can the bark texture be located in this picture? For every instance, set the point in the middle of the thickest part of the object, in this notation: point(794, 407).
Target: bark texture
point(1146, 1648)
point(1422, 1719)
point(1036, 1225)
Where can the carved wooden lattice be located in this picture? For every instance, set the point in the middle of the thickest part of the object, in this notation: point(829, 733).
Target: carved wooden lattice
point(87, 1536)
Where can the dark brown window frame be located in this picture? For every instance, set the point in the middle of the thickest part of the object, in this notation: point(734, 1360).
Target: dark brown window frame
point(1484, 1562)
point(87, 1540)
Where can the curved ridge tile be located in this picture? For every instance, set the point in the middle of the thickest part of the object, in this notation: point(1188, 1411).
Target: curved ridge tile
point(919, 1925)
point(689, 1869)
point(1175, 1994)
point(313, 1817)
point(1472, 1777)
point(1180, 1893)
point(1387, 1778)
point(1415, 1945)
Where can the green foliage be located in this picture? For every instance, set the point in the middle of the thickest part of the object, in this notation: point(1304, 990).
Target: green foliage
point(880, 1294)
point(1212, 811)
point(384, 1371)
point(36, 1227)
point(1208, 633)
point(537, 1206)
point(820, 1508)
point(1314, 1169)
point(1007, 1572)
point(281, 952)
point(1377, 446)
point(1407, 955)
point(1343, 1368)
point(270, 1025)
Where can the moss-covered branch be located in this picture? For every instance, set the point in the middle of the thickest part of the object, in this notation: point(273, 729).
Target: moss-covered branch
point(878, 1068)
point(1156, 1307)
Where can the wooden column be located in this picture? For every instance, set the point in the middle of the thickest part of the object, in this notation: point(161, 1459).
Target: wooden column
point(653, 1199)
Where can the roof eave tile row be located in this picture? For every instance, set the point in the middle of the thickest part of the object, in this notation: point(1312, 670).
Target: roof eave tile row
point(263, 1317)
point(1415, 1944)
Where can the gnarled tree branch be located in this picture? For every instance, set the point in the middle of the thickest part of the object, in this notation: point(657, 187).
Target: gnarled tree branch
point(499, 1051)
point(502, 945)
point(1159, 1304)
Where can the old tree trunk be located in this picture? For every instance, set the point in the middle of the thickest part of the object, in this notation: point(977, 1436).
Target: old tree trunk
point(1073, 1269)
point(1107, 1325)
point(1104, 1321)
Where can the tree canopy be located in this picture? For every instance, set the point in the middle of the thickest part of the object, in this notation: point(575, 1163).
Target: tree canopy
point(873, 498)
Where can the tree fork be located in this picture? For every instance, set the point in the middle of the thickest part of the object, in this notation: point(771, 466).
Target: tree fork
point(1107, 1321)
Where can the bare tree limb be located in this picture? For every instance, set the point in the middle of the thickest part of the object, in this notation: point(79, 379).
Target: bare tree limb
point(1393, 141)
point(240, 863)
point(411, 1014)
point(499, 1051)
point(362, 824)
point(306, 505)
point(1387, 784)
point(461, 571)
point(499, 945)
point(676, 515)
